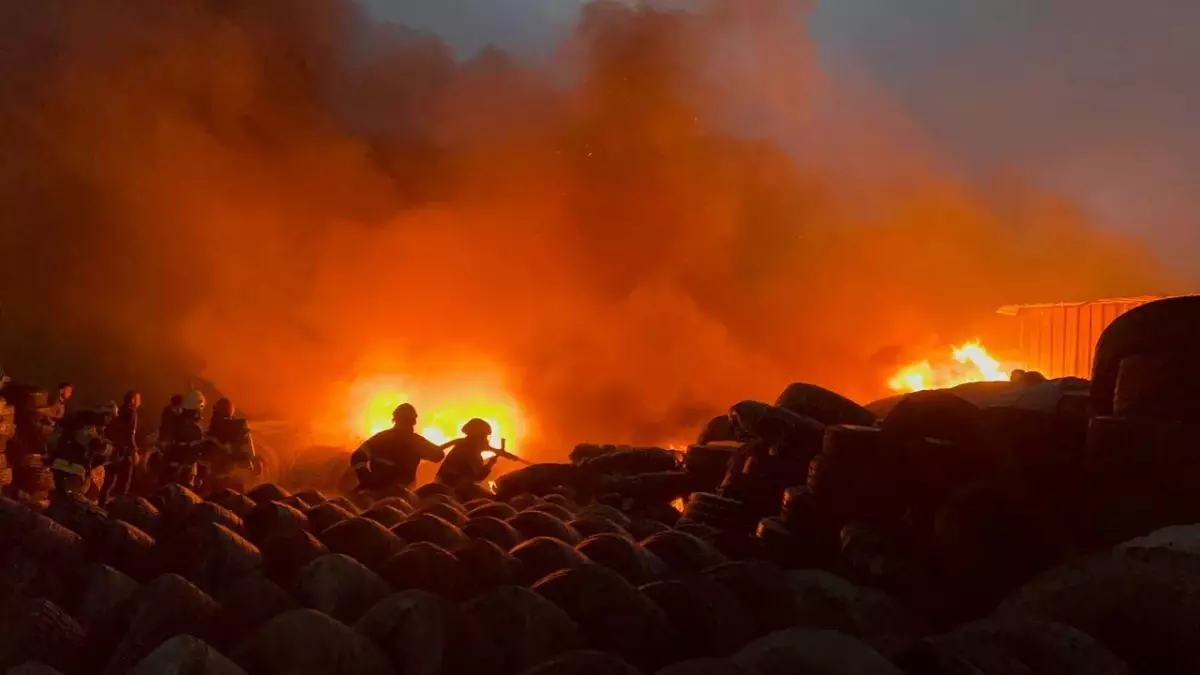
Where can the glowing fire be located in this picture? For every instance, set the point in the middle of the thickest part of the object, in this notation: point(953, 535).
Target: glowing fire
point(971, 363)
point(443, 406)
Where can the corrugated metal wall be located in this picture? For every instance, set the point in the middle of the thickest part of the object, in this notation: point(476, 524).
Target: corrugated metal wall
point(1060, 340)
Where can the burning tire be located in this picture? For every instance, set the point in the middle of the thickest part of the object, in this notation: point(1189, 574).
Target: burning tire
point(708, 619)
point(363, 539)
point(339, 586)
point(526, 628)
point(538, 524)
point(542, 556)
point(307, 642)
point(823, 405)
point(612, 615)
point(427, 635)
point(493, 530)
point(426, 567)
point(430, 528)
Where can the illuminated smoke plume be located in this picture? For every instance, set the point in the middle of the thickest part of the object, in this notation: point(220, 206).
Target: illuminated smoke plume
point(675, 211)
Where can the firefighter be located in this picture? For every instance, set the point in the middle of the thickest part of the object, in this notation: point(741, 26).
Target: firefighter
point(182, 452)
point(170, 415)
point(390, 458)
point(78, 446)
point(58, 409)
point(122, 433)
point(465, 462)
point(229, 454)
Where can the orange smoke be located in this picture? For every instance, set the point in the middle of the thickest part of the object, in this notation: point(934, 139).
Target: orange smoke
point(676, 211)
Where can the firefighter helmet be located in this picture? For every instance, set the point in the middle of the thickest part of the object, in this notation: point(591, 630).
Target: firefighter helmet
point(223, 408)
point(404, 413)
point(477, 427)
point(193, 400)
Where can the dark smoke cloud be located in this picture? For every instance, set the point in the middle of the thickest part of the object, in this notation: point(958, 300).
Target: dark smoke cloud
point(279, 196)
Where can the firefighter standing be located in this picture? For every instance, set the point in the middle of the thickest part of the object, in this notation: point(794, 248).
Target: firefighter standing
point(465, 463)
point(183, 450)
point(58, 409)
point(230, 451)
point(79, 446)
point(390, 458)
point(168, 420)
point(122, 433)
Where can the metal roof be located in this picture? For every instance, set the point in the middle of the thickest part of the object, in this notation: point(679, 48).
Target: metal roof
point(1011, 310)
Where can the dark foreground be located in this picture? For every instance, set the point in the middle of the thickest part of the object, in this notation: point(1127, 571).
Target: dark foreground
point(1012, 529)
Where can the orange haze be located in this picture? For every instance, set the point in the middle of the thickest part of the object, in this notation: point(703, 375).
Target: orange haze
point(673, 212)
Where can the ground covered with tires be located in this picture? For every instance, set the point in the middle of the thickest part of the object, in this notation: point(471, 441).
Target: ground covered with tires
point(938, 535)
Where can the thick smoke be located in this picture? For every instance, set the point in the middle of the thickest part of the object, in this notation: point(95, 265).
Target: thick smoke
point(675, 211)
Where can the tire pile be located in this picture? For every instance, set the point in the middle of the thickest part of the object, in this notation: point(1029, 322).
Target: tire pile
point(946, 538)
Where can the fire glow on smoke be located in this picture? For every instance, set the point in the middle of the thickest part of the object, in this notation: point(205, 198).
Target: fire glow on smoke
point(443, 406)
point(970, 362)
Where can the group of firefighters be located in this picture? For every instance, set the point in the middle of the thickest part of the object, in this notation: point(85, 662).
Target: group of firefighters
point(222, 455)
point(390, 458)
point(208, 459)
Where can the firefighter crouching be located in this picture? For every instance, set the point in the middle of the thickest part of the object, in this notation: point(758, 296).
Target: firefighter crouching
point(465, 463)
point(80, 446)
point(390, 458)
point(229, 454)
point(185, 447)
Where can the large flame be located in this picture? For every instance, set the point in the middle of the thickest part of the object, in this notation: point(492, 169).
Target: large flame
point(970, 362)
point(443, 406)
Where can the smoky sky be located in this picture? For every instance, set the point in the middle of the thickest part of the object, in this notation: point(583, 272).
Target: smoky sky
point(1095, 98)
point(654, 213)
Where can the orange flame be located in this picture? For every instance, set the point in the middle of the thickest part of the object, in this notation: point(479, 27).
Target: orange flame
point(971, 363)
point(443, 406)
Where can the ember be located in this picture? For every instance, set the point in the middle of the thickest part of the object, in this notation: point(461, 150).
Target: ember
point(970, 362)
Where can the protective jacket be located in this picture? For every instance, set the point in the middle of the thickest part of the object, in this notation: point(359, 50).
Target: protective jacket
point(391, 457)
